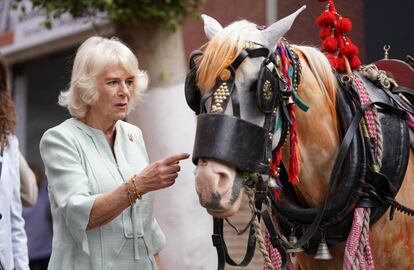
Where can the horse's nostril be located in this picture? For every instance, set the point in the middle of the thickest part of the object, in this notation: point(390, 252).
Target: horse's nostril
point(202, 162)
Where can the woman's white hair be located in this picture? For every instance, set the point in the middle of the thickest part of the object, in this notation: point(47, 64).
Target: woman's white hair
point(91, 58)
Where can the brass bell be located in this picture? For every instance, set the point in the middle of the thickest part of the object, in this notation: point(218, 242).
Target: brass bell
point(323, 251)
point(292, 242)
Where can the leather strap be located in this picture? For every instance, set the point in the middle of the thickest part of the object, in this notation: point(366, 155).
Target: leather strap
point(221, 247)
point(274, 238)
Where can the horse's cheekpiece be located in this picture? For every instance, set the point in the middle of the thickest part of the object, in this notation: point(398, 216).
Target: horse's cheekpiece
point(214, 124)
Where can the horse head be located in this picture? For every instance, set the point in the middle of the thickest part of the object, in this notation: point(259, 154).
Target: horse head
point(232, 83)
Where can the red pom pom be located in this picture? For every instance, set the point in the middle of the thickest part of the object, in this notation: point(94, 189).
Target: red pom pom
point(325, 32)
point(355, 62)
point(337, 62)
point(330, 44)
point(341, 42)
point(340, 64)
point(327, 18)
point(343, 25)
point(349, 50)
point(332, 59)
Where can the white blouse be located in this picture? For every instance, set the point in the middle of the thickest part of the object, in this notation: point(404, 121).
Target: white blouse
point(79, 166)
point(13, 240)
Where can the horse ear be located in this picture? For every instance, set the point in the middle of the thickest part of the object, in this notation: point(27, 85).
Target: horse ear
point(274, 32)
point(211, 26)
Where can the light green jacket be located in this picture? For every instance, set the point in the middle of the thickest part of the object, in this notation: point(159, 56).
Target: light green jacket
point(79, 166)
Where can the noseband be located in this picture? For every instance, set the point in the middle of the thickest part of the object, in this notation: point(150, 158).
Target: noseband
point(229, 138)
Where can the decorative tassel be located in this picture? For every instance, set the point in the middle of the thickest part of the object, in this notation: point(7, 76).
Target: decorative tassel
point(332, 59)
point(327, 18)
point(355, 62)
point(340, 64)
point(277, 158)
point(325, 32)
point(343, 25)
point(349, 50)
point(330, 44)
point(294, 162)
point(334, 40)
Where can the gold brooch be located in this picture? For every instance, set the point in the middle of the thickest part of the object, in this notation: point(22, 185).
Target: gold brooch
point(130, 137)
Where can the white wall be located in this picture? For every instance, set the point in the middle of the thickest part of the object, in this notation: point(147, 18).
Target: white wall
point(169, 127)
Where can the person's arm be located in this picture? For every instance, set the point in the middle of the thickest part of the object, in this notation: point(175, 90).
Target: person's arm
point(28, 184)
point(157, 175)
point(158, 261)
point(19, 239)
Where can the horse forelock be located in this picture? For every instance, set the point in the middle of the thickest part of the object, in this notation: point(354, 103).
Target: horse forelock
point(221, 51)
point(322, 72)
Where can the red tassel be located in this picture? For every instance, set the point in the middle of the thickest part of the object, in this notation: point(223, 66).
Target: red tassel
point(327, 18)
point(340, 64)
point(277, 158)
point(349, 50)
point(330, 44)
point(325, 32)
point(332, 59)
point(277, 192)
point(355, 62)
point(343, 25)
point(294, 163)
point(341, 42)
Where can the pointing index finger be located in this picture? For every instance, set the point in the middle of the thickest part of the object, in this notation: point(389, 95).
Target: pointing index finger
point(176, 158)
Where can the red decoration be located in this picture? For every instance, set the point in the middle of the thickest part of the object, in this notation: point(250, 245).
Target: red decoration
point(355, 62)
point(325, 32)
point(294, 162)
point(327, 18)
point(343, 25)
point(349, 50)
point(330, 44)
point(334, 39)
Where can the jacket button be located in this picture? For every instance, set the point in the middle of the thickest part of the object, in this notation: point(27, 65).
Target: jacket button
point(1, 216)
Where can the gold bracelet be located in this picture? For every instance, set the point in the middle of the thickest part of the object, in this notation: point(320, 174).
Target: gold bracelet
point(130, 195)
point(139, 196)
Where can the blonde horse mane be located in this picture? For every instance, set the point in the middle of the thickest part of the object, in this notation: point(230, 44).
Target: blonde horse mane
point(322, 71)
point(221, 51)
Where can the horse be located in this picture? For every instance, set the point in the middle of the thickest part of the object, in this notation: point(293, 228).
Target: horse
point(222, 87)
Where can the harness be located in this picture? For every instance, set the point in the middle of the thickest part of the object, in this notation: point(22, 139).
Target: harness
point(357, 185)
point(352, 183)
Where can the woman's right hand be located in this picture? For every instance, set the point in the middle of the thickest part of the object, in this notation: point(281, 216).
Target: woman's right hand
point(159, 174)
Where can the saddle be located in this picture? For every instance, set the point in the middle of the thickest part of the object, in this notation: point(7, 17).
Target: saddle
point(357, 181)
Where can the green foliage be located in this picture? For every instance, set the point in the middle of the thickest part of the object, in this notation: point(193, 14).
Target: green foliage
point(169, 13)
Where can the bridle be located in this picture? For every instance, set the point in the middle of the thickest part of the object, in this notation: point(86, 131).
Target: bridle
point(231, 129)
point(229, 139)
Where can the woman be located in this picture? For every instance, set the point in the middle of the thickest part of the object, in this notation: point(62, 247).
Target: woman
point(97, 167)
point(13, 241)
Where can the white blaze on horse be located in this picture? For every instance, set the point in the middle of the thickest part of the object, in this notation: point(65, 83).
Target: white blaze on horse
point(232, 110)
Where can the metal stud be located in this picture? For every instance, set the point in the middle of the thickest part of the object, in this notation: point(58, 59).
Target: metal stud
point(270, 135)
